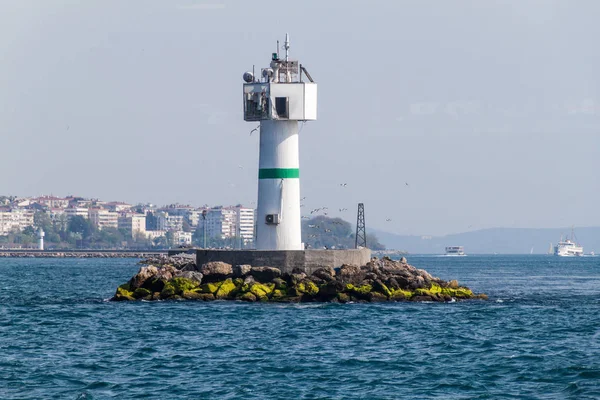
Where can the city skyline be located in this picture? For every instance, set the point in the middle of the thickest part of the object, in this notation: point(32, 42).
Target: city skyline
point(440, 117)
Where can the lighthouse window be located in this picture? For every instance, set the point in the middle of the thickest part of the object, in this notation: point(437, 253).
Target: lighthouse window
point(281, 106)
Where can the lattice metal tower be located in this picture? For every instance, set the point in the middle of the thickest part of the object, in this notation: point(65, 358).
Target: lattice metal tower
point(361, 234)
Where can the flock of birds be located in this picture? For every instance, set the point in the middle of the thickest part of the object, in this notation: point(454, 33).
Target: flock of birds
point(324, 211)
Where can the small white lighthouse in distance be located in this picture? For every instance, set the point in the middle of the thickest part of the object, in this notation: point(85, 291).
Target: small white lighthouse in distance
point(279, 99)
point(41, 235)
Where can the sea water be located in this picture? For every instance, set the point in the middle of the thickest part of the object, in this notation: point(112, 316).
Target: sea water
point(537, 337)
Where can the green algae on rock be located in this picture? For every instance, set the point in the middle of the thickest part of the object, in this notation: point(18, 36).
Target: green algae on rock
point(378, 281)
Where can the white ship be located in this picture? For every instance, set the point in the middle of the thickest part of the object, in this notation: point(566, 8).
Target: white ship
point(568, 247)
point(455, 251)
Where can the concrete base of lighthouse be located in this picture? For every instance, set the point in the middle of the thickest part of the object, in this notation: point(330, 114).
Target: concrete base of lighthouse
point(306, 261)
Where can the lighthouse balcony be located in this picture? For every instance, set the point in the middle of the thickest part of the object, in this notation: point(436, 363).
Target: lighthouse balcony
point(295, 101)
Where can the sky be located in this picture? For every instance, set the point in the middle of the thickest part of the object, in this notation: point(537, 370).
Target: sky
point(440, 116)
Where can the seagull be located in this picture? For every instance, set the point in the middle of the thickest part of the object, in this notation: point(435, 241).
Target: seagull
point(406, 183)
point(305, 217)
point(343, 209)
point(255, 129)
point(304, 198)
point(327, 230)
point(325, 213)
point(240, 166)
point(301, 205)
point(311, 226)
point(343, 184)
point(388, 220)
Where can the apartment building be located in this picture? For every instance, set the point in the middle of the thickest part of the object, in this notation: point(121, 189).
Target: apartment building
point(103, 218)
point(133, 223)
point(168, 222)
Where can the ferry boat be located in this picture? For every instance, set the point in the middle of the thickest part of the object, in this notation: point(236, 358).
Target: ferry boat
point(455, 251)
point(568, 247)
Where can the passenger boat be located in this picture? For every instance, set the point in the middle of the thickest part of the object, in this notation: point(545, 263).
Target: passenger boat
point(455, 251)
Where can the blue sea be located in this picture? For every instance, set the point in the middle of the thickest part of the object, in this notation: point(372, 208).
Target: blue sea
point(537, 337)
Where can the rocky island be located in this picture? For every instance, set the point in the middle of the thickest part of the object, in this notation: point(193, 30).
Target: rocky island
point(179, 278)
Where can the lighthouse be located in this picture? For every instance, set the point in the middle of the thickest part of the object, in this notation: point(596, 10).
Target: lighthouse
point(279, 99)
point(41, 235)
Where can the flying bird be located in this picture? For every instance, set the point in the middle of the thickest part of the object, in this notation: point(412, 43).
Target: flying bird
point(255, 129)
point(343, 184)
point(343, 209)
point(327, 230)
point(389, 220)
point(406, 183)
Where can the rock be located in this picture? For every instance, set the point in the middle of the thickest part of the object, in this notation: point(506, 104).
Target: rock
point(265, 274)
point(192, 295)
point(216, 271)
point(421, 298)
point(225, 290)
point(307, 287)
point(144, 274)
point(141, 292)
point(280, 284)
point(240, 271)
point(248, 297)
point(350, 274)
point(191, 275)
point(154, 285)
point(326, 274)
point(123, 294)
point(277, 295)
point(376, 297)
point(261, 291)
point(207, 296)
point(166, 272)
point(188, 267)
point(381, 287)
point(343, 297)
point(210, 287)
point(294, 278)
point(401, 295)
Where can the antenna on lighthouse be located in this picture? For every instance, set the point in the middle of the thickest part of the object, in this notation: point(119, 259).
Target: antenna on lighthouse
point(287, 47)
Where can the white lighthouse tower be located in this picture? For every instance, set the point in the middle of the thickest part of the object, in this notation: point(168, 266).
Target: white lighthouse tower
point(279, 99)
point(41, 235)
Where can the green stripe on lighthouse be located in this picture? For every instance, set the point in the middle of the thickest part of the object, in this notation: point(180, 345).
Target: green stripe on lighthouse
point(278, 173)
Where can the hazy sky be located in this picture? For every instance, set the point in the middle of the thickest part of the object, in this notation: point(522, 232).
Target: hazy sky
point(489, 110)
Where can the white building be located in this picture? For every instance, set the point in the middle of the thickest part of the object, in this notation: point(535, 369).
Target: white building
point(16, 219)
point(79, 211)
point(51, 201)
point(181, 238)
point(229, 222)
point(103, 218)
point(133, 223)
point(167, 222)
point(155, 234)
point(9, 221)
point(245, 224)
